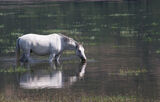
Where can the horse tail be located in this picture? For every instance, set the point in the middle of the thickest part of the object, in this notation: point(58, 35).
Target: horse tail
point(17, 49)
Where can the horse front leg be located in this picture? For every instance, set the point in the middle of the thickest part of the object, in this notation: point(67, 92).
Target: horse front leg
point(57, 57)
point(51, 57)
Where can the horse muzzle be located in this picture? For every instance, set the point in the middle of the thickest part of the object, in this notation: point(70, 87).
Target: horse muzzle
point(83, 59)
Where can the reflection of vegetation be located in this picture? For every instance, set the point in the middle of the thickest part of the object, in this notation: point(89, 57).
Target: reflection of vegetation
point(13, 70)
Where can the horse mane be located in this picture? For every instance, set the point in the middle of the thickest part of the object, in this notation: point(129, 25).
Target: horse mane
point(67, 39)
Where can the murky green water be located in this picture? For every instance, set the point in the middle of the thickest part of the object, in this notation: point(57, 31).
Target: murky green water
point(122, 42)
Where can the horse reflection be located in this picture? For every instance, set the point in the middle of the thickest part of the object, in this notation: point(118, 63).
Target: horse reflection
point(51, 79)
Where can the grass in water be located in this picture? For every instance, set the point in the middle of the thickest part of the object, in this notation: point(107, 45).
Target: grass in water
point(74, 98)
point(13, 70)
point(132, 72)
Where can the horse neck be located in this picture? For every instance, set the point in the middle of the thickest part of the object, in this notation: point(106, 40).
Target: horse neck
point(68, 43)
point(72, 46)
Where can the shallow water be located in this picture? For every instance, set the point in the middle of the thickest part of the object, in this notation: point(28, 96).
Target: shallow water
point(121, 42)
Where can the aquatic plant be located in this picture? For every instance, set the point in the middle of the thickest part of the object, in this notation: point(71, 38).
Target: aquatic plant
point(158, 51)
point(121, 14)
point(13, 70)
point(132, 72)
point(50, 31)
point(1, 25)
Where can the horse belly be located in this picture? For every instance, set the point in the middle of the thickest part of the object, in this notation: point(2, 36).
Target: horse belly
point(40, 50)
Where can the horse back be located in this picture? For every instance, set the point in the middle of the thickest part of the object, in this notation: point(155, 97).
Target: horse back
point(40, 44)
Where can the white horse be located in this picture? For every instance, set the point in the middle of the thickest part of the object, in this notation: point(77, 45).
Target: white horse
point(53, 44)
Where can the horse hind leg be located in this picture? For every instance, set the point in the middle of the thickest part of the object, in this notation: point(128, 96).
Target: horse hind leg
point(26, 56)
point(23, 58)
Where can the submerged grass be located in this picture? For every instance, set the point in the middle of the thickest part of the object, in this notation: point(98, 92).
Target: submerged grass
point(14, 70)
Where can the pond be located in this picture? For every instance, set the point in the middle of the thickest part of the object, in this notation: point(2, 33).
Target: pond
point(121, 40)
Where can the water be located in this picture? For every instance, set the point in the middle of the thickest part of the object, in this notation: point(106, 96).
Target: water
point(121, 42)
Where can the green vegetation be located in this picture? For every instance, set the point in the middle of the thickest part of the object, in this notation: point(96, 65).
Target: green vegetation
point(122, 46)
point(1, 26)
point(70, 32)
point(13, 70)
point(74, 98)
point(6, 13)
point(121, 14)
point(154, 24)
point(132, 72)
point(16, 34)
point(158, 51)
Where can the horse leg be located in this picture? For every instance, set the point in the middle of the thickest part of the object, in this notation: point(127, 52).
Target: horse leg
point(23, 58)
point(57, 57)
point(26, 56)
point(51, 57)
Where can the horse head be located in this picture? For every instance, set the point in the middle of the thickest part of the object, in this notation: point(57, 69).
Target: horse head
point(80, 52)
